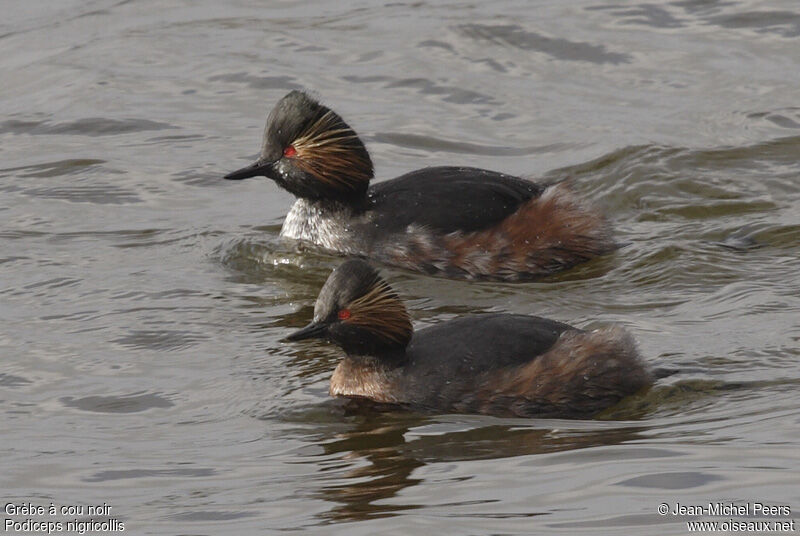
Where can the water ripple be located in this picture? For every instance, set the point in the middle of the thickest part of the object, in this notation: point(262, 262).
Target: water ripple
point(89, 126)
point(513, 35)
point(130, 403)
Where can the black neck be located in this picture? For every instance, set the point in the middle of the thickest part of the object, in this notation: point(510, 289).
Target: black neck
point(353, 204)
point(388, 359)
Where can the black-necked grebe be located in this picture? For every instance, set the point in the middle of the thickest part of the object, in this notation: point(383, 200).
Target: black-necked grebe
point(457, 222)
point(500, 364)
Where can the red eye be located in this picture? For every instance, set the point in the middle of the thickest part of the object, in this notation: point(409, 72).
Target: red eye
point(290, 151)
point(344, 314)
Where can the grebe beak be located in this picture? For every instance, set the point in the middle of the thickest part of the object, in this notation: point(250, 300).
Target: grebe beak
point(315, 330)
point(253, 170)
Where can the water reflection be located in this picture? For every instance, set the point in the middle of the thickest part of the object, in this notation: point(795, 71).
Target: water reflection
point(383, 451)
point(386, 471)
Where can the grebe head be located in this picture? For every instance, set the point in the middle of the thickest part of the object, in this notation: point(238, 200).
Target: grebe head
point(310, 151)
point(359, 311)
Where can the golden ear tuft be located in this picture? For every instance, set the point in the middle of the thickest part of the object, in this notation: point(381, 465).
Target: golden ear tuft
point(332, 152)
point(382, 312)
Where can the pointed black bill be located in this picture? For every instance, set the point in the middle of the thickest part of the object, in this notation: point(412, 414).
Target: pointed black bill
point(253, 170)
point(314, 330)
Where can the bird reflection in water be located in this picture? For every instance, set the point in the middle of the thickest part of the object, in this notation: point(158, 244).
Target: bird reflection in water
point(383, 449)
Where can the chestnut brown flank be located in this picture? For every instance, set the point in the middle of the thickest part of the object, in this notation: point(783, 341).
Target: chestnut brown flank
point(545, 235)
point(550, 233)
point(582, 373)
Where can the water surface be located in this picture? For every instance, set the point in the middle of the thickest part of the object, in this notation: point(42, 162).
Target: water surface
point(143, 299)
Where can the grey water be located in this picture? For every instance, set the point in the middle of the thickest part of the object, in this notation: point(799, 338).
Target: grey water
point(143, 298)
